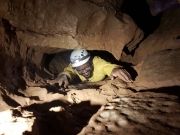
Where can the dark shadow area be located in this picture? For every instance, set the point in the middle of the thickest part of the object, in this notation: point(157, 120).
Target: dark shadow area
point(178, 37)
point(140, 12)
point(55, 88)
point(69, 121)
point(11, 73)
point(33, 71)
point(173, 90)
point(132, 52)
point(59, 59)
point(11, 102)
point(130, 69)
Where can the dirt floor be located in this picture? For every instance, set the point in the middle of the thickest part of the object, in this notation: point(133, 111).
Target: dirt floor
point(107, 107)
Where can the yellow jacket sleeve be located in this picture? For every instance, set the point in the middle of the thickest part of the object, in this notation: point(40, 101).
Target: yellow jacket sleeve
point(70, 72)
point(106, 67)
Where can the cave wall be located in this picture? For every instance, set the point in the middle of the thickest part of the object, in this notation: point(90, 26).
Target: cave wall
point(10, 59)
point(36, 27)
point(29, 29)
point(160, 70)
point(69, 24)
point(166, 36)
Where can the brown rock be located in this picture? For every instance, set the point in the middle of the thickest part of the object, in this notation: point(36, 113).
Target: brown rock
point(69, 24)
point(159, 70)
point(165, 37)
point(136, 114)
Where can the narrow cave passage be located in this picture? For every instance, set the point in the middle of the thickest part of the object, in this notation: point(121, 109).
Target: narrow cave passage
point(62, 59)
point(36, 40)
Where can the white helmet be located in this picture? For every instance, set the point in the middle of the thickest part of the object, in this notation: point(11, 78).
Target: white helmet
point(79, 57)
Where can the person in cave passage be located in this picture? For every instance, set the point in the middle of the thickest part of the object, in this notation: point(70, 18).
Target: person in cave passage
point(90, 69)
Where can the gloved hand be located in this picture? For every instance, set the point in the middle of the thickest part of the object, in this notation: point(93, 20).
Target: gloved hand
point(62, 80)
point(122, 74)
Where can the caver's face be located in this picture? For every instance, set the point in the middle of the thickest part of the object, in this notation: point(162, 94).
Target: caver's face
point(85, 70)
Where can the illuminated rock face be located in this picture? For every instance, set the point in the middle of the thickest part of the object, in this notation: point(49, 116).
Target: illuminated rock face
point(136, 114)
point(16, 122)
point(159, 70)
point(69, 24)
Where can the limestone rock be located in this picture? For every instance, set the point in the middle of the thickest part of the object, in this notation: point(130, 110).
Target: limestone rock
point(16, 122)
point(69, 24)
point(159, 70)
point(135, 115)
point(166, 36)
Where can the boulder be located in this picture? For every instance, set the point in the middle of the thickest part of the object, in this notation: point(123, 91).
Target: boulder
point(160, 70)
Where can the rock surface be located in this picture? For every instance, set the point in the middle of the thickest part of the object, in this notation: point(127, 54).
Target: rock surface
point(158, 70)
point(69, 24)
point(166, 36)
point(30, 30)
point(136, 114)
point(16, 121)
point(110, 109)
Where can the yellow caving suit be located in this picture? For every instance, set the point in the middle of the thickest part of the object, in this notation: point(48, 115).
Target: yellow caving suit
point(102, 69)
